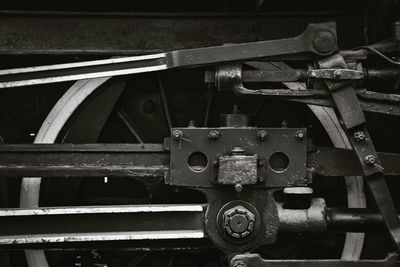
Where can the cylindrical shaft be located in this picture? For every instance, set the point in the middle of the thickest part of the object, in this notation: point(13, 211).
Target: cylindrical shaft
point(353, 220)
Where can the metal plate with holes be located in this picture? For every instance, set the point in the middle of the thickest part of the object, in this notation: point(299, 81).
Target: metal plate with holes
point(281, 156)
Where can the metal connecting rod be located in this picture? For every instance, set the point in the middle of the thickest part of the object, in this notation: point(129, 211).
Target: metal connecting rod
point(317, 39)
point(146, 161)
point(55, 227)
point(63, 225)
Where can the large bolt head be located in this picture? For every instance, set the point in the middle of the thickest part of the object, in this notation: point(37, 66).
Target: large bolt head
point(238, 222)
point(324, 42)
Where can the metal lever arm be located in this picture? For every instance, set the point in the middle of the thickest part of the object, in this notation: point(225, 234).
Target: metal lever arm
point(349, 110)
point(317, 39)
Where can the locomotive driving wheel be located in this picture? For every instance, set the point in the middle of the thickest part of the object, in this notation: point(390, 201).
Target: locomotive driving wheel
point(142, 109)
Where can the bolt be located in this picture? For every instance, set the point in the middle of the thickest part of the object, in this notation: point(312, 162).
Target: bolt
point(262, 135)
point(299, 135)
point(214, 135)
point(177, 134)
point(359, 136)
point(324, 41)
point(238, 263)
point(238, 188)
point(370, 160)
point(238, 222)
point(260, 162)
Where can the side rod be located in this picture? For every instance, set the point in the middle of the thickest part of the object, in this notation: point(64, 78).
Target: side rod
point(317, 39)
point(146, 161)
point(54, 227)
point(45, 227)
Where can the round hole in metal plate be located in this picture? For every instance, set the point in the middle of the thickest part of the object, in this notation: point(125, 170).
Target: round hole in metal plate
point(197, 161)
point(279, 162)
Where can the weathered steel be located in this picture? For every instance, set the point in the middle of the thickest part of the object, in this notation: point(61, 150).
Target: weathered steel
point(342, 162)
point(237, 168)
point(58, 226)
point(84, 160)
point(149, 160)
point(302, 75)
point(229, 77)
point(311, 220)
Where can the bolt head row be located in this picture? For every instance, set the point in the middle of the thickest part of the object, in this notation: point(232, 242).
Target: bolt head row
point(262, 135)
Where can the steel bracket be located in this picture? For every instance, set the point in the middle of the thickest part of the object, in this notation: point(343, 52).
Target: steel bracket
point(199, 158)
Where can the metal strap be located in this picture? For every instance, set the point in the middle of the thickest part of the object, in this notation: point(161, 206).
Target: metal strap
point(349, 110)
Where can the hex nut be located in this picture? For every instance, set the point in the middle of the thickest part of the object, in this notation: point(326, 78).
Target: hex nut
point(359, 136)
point(238, 222)
point(262, 135)
point(177, 134)
point(214, 135)
point(299, 135)
point(238, 188)
point(370, 160)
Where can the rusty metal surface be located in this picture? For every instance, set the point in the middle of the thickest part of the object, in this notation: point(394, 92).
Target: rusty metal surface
point(237, 169)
